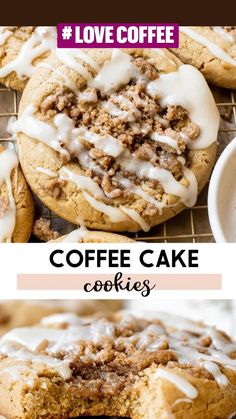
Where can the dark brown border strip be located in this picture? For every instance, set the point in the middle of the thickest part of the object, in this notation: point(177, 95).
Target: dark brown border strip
point(46, 12)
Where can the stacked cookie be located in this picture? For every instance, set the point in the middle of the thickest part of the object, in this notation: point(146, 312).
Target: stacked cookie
point(116, 140)
point(22, 313)
point(16, 203)
point(212, 50)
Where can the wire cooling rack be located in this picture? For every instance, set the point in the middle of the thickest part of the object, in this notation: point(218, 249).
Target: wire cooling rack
point(191, 225)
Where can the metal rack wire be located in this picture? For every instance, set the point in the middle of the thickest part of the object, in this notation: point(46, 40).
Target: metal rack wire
point(191, 225)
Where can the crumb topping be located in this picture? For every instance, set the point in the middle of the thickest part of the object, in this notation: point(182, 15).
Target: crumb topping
point(4, 206)
point(230, 29)
point(105, 355)
point(132, 117)
point(21, 33)
point(53, 187)
point(43, 231)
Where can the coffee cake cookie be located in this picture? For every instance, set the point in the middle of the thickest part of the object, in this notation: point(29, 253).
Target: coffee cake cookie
point(211, 49)
point(66, 367)
point(83, 235)
point(16, 202)
point(120, 140)
point(21, 49)
point(21, 313)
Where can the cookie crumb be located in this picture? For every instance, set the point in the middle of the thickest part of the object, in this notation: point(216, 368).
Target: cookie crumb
point(4, 205)
point(43, 231)
point(53, 187)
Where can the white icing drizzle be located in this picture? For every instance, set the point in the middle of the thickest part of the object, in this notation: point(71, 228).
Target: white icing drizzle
point(216, 50)
point(116, 72)
point(52, 136)
point(180, 323)
point(146, 338)
point(61, 318)
point(108, 144)
point(162, 121)
point(115, 111)
point(8, 162)
point(115, 214)
point(225, 35)
point(182, 335)
point(70, 57)
point(5, 33)
point(35, 128)
point(76, 235)
point(126, 103)
point(182, 400)
point(146, 170)
point(87, 162)
point(86, 183)
point(82, 182)
point(214, 370)
point(137, 190)
point(181, 383)
point(65, 132)
point(127, 111)
point(134, 215)
point(31, 338)
point(89, 96)
point(46, 172)
point(165, 139)
point(187, 87)
point(59, 339)
point(41, 41)
point(182, 160)
point(62, 367)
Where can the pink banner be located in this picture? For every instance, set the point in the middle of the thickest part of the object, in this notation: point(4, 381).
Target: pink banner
point(124, 282)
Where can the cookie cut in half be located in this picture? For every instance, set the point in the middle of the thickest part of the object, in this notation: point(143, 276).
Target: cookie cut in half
point(21, 49)
point(16, 201)
point(117, 140)
point(211, 49)
point(68, 367)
